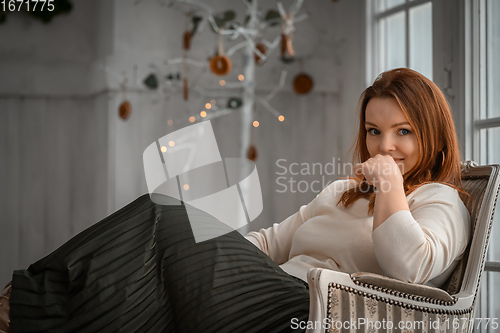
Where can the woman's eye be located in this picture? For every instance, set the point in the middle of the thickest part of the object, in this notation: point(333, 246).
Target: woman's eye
point(404, 131)
point(373, 131)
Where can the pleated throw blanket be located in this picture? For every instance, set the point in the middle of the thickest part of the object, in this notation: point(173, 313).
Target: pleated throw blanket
point(140, 270)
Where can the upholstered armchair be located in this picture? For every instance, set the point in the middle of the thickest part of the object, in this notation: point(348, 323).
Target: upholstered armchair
point(364, 302)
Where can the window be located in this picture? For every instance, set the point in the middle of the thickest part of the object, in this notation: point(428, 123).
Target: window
point(484, 132)
point(400, 36)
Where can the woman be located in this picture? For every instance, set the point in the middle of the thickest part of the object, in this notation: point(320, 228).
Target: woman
point(406, 219)
point(140, 270)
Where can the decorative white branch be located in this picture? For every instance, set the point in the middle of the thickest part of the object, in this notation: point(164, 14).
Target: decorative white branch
point(251, 43)
point(274, 44)
point(280, 86)
point(289, 18)
point(295, 8)
point(198, 4)
point(301, 18)
point(212, 92)
point(247, 4)
point(268, 106)
point(188, 61)
point(119, 78)
point(251, 32)
point(281, 9)
point(235, 48)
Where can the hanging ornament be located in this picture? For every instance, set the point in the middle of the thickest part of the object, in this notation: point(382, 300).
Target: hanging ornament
point(234, 103)
point(186, 90)
point(252, 150)
point(173, 79)
point(272, 17)
point(189, 34)
point(125, 109)
point(302, 83)
point(252, 153)
point(262, 49)
point(187, 40)
point(287, 50)
point(223, 19)
point(151, 81)
point(220, 64)
point(185, 81)
point(286, 46)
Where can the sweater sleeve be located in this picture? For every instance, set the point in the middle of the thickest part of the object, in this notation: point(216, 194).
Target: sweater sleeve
point(420, 244)
point(276, 241)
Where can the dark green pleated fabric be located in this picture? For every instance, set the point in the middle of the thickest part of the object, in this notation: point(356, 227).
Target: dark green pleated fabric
point(140, 270)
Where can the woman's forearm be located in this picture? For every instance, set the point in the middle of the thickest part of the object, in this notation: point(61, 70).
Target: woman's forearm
point(382, 172)
point(390, 199)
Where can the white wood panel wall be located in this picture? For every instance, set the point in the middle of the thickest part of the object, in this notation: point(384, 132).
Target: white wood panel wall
point(53, 175)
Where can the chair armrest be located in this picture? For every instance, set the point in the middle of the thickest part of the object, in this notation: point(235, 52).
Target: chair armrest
point(380, 282)
point(331, 290)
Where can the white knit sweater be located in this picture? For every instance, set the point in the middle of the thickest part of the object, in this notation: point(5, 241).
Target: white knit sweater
point(422, 245)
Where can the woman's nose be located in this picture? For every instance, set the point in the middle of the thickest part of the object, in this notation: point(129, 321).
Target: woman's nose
point(387, 144)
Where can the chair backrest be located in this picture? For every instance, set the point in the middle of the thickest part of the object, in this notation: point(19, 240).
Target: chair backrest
point(482, 185)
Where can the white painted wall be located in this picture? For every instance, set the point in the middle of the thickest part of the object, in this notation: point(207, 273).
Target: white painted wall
point(93, 160)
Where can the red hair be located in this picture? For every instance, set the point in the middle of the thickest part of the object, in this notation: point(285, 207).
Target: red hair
point(428, 113)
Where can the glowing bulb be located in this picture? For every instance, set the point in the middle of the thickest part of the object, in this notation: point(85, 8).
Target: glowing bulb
point(241, 77)
point(186, 187)
point(192, 119)
point(170, 122)
point(222, 83)
point(203, 114)
point(208, 106)
point(281, 118)
point(213, 102)
point(171, 143)
point(163, 149)
point(255, 123)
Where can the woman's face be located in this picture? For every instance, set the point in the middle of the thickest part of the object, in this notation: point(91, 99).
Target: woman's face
point(389, 133)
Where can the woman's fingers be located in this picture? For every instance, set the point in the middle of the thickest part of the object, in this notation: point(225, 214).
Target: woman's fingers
point(358, 171)
point(377, 168)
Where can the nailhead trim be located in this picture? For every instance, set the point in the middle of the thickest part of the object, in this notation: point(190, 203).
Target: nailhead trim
point(405, 295)
point(333, 285)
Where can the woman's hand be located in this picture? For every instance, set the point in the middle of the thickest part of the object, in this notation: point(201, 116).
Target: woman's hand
point(384, 173)
point(381, 171)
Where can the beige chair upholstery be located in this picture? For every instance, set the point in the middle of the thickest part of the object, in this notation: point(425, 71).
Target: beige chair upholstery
point(365, 302)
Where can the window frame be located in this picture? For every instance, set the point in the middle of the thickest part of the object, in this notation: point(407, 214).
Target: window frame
point(373, 41)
